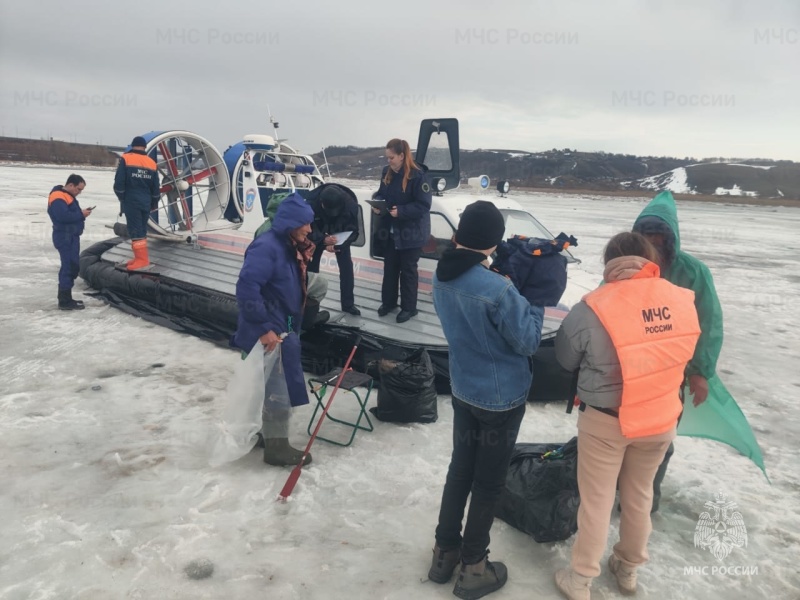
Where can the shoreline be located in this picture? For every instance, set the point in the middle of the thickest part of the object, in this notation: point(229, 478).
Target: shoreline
point(643, 194)
point(648, 194)
point(71, 166)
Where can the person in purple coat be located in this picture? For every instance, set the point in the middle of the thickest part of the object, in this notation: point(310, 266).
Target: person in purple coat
point(271, 294)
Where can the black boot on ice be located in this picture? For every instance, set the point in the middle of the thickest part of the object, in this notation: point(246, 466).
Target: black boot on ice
point(484, 577)
point(278, 452)
point(65, 301)
point(443, 564)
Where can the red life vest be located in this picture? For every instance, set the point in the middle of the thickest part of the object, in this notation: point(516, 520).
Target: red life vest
point(654, 328)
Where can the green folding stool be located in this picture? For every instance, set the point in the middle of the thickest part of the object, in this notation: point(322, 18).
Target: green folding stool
point(350, 383)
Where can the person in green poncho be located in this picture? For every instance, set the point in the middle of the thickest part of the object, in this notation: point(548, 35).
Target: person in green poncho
point(659, 223)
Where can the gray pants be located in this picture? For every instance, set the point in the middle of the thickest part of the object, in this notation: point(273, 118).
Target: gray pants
point(317, 287)
point(277, 408)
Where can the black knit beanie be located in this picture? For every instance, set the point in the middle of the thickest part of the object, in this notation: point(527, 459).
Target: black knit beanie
point(481, 226)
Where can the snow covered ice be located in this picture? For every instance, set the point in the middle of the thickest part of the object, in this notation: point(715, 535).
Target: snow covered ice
point(107, 493)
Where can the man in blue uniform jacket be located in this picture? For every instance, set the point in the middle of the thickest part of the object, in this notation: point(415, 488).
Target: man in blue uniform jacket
point(136, 186)
point(68, 218)
point(271, 293)
point(336, 211)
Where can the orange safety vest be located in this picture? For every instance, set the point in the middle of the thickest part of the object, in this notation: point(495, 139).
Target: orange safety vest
point(654, 328)
point(134, 159)
point(60, 195)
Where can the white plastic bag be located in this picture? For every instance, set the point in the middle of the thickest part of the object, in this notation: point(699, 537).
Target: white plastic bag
point(235, 435)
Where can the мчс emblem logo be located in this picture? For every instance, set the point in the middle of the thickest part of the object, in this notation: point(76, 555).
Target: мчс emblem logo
point(249, 199)
point(721, 529)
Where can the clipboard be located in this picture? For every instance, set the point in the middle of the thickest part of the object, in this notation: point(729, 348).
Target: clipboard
point(380, 205)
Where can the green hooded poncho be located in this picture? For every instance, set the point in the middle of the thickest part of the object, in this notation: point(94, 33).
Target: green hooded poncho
point(719, 417)
point(688, 272)
point(272, 207)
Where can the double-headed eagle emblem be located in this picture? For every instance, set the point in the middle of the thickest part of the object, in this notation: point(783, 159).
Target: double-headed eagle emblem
point(721, 531)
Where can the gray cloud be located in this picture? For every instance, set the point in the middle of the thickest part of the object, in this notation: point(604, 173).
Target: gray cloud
point(683, 78)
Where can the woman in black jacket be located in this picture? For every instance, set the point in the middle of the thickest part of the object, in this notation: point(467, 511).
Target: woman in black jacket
point(404, 230)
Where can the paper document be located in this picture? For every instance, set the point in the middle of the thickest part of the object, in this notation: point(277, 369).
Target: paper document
point(341, 237)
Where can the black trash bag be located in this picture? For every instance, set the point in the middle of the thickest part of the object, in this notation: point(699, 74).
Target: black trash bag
point(407, 392)
point(541, 494)
point(327, 347)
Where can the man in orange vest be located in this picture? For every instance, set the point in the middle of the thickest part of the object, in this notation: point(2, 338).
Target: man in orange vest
point(68, 218)
point(136, 186)
point(631, 340)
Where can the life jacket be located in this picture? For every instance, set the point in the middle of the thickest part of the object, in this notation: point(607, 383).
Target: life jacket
point(137, 160)
point(60, 195)
point(654, 328)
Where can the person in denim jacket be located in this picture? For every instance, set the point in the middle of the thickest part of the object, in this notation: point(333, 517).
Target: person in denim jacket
point(491, 330)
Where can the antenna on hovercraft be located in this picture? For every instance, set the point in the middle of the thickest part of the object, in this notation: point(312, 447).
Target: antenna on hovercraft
point(327, 166)
point(275, 126)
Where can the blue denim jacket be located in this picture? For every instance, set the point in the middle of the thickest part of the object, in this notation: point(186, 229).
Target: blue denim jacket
point(492, 331)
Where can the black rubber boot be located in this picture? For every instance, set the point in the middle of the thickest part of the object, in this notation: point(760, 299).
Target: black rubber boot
point(279, 453)
point(484, 577)
point(444, 564)
point(65, 301)
point(313, 316)
point(322, 317)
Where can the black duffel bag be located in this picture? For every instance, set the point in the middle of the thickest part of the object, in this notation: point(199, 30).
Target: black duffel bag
point(407, 392)
point(541, 494)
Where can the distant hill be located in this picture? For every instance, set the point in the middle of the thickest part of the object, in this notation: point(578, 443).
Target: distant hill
point(599, 171)
point(555, 169)
point(55, 152)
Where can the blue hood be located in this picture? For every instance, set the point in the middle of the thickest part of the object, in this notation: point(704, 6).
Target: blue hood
point(292, 213)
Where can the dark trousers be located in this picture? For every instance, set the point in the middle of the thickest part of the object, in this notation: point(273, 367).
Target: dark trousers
point(662, 468)
point(69, 249)
point(483, 441)
point(346, 278)
point(400, 265)
point(136, 218)
point(660, 474)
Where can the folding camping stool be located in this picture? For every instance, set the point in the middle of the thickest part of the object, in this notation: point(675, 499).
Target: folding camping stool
point(351, 381)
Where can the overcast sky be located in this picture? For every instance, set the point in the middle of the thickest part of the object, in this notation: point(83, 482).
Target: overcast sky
point(695, 78)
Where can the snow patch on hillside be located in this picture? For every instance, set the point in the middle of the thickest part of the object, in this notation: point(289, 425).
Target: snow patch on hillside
point(675, 181)
point(734, 191)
